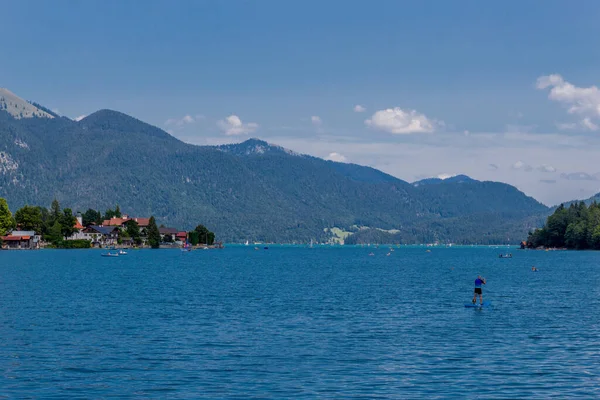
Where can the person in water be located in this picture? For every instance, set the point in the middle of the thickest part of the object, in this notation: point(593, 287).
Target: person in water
point(478, 282)
point(534, 269)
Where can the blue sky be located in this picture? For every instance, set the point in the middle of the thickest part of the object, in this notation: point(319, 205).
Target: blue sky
point(446, 87)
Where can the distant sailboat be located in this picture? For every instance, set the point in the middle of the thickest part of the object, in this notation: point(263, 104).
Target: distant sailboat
point(247, 243)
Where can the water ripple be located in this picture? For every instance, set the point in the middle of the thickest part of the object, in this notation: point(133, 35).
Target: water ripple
point(302, 323)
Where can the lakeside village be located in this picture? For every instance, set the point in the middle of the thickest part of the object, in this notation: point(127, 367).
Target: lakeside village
point(34, 227)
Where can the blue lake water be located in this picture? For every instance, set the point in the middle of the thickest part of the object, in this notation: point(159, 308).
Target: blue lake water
point(298, 322)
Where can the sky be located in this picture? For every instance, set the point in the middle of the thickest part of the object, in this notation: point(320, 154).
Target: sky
point(503, 91)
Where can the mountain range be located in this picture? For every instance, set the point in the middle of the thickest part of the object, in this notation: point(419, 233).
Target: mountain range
point(252, 191)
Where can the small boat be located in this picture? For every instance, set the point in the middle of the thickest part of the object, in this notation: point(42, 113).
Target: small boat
point(109, 254)
point(505, 256)
point(247, 243)
point(122, 252)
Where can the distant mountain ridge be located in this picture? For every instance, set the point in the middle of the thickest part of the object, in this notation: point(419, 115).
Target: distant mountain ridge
point(588, 201)
point(252, 191)
point(19, 108)
point(451, 179)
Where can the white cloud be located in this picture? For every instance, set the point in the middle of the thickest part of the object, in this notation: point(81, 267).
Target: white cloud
point(579, 176)
point(233, 125)
point(398, 121)
point(180, 122)
point(445, 176)
point(588, 124)
point(546, 168)
point(80, 118)
point(585, 124)
point(316, 120)
point(581, 101)
point(520, 165)
point(358, 108)
point(337, 157)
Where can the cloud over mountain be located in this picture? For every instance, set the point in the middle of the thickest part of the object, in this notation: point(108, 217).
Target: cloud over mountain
point(401, 122)
point(233, 125)
point(336, 157)
point(520, 165)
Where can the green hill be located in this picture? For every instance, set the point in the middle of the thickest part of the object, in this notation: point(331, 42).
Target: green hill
point(249, 191)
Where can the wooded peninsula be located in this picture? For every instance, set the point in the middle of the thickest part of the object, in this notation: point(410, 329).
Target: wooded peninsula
point(574, 227)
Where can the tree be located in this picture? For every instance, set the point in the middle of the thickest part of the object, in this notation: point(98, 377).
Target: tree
point(194, 238)
point(91, 217)
point(54, 211)
point(54, 235)
point(118, 212)
point(6, 218)
point(109, 214)
point(153, 234)
point(67, 223)
point(133, 230)
point(204, 235)
point(29, 218)
point(595, 240)
point(168, 238)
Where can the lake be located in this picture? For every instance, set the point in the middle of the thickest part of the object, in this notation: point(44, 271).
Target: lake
point(298, 322)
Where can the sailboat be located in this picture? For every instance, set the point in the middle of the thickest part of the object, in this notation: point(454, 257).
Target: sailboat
point(311, 243)
point(247, 243)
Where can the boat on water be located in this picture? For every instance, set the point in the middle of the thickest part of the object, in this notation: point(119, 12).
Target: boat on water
point(505, 256)
point(122, 252)
point(109, 254)
point(186, 247)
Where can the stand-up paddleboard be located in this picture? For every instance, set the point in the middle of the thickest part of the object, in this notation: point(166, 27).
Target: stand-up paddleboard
point(477, 305)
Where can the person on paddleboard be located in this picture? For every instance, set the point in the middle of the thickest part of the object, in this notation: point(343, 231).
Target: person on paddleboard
point(478, 282)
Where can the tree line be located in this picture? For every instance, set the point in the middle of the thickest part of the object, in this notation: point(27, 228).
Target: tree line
point(56, 224)
point(53, 224)
point(573, 227)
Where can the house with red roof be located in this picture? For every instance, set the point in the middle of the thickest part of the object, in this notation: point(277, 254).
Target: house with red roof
point(181, 237)
point(78, 234)
point(21, 240)
point(120, 222)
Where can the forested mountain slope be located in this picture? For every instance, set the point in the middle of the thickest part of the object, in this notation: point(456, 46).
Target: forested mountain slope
point(252, 190)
